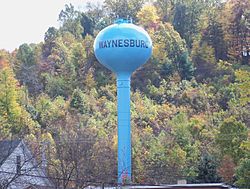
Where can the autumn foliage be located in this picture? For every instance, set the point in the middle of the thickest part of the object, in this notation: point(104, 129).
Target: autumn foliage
point(190, 104)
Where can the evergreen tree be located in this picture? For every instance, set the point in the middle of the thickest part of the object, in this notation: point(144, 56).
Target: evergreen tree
point(185, 67)
point(77, 101)
point(88, 25)
point(207, 170)
point(186, 19)
point(214, 36)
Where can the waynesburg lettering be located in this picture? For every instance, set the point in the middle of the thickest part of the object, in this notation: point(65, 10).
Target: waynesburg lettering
point(123, 43)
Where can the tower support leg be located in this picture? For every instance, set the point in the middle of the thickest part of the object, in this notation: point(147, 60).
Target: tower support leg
point(124, 130)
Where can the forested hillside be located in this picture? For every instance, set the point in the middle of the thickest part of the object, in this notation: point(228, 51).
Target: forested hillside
point(190, 102)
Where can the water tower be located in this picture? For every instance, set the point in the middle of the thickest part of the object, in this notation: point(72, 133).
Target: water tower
point(123, 47)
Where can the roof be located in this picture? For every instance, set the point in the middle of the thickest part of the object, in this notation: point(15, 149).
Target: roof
point(6, 148)
point(204, 185)
point(176, 186)
point(39, 187)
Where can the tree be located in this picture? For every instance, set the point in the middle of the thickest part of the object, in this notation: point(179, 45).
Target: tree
point(173, 45)
point(207, 170)
point(214, 36)
point(227, 169)
point(148, 17)
point(182, 100)
point(204, 61)
point(185, 67)
point(97, 15)
point(123, 8)
point(242, 174)
point(48, 112)
point(239, 106)
point(242, 85)
point(168, 48)
point(81, 152)
point(231, 135)
point(50, 41)
point(70, 19)
point(14, 120)
point(186, 18)
point(55, 86)
point(78, 101)
point(27, 70)
point(25, 55)
point(236, 24)
point(165, 9)
point(88, 25)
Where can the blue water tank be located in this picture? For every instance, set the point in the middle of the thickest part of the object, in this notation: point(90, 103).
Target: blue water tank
point(123, 47)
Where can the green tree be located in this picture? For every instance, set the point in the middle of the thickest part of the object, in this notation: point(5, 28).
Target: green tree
point(186, 18)
point(214, 36)
point(204, 61)
point(55, 86)
point(242, 85)
point(168, 48)
point(238, 103)
point(165, 9)
point(49, 41)
point(123, 8)
point(78, 101)
point(71, 21)
point(25, 55)
point(27, 69)
point(185, 67)
point(96, 15)
point(231, 136)
point(88, 25)
point(49, 112)
point(243, 174)
point(207, 170)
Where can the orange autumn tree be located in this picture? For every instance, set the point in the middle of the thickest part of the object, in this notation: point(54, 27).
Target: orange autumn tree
point(227, 169)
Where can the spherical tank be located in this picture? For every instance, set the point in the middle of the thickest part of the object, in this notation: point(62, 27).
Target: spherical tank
point(123, 47)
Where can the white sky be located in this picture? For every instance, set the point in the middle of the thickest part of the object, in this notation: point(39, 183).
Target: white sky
point(26, 21)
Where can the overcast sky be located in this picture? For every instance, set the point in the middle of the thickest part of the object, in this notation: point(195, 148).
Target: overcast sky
point(26, 21)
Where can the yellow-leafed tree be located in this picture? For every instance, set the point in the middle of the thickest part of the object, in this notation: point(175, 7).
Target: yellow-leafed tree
point(148, 16)
point(14, 119)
